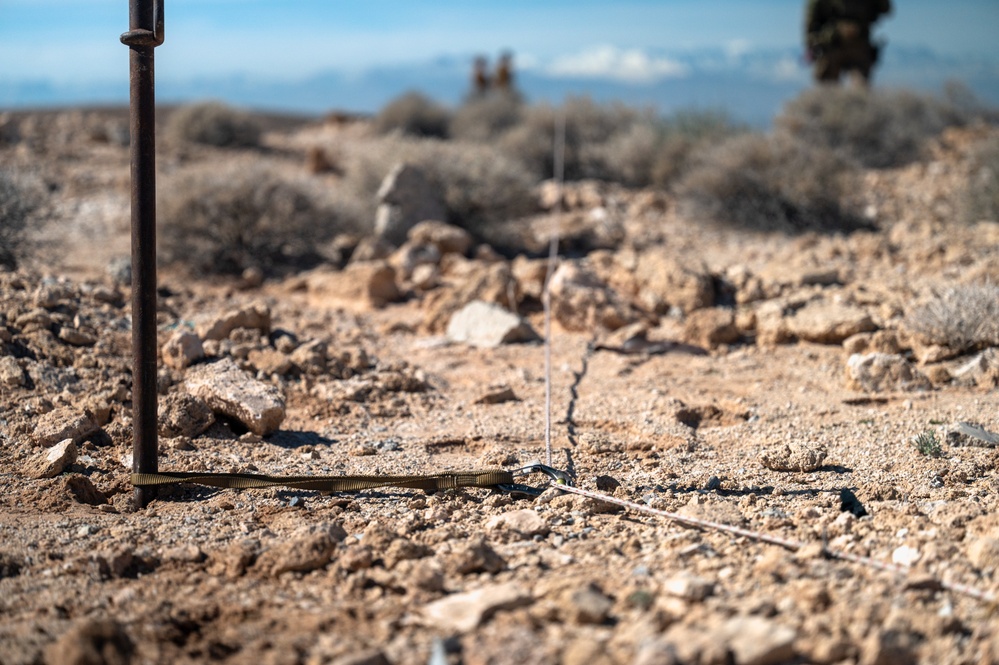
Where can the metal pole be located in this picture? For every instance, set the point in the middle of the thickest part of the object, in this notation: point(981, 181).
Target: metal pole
point(145, 22)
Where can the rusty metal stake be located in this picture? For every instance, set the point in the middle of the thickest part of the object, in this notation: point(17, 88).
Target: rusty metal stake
point(145, 22)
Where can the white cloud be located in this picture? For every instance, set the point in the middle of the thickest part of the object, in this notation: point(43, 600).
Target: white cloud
point(609, 62)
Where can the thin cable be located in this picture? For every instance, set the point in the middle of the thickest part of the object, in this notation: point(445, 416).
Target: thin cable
point(556, 219)
point(787, 543)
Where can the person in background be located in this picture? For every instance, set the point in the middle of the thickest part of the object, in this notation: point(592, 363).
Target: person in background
point(504, 72)
point(480, 77)
point(838, 37)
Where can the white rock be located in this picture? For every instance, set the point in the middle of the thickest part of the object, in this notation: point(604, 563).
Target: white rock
point(182, 349)
point(688, 586)
point(53, 461)
point(526, 522)
point(758, 641)
point(877, 372)
point(467, 611)
point(905, 556)
point(484, 324)
point(230, 392)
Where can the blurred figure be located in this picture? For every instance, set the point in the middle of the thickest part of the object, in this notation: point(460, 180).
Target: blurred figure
point(480, 77)
point(504, 72)
point(838, 37)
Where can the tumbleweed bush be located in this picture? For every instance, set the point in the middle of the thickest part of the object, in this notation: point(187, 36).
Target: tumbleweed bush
point(981, 199)
point(771, 183)
point(16, 206)
point(414, 114)
point(964, 317)
point(878, 128)
point(213, 123)
point(223, 221)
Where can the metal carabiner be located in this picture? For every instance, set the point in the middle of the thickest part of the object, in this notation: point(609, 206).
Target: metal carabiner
point(557, 476)
point(146, 36)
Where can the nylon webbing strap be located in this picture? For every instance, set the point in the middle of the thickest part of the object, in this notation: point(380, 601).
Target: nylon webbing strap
point(430, 483)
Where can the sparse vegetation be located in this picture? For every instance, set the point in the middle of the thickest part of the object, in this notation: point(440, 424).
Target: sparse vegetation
point(878, 128)
point(487, 118)
point(215, 124)
point(413, 114)
point(981, 201)
point(928, 444)
point(481, 188)
point(771, 183)
point(15, 208)
point(962, 318)
point(225, 221)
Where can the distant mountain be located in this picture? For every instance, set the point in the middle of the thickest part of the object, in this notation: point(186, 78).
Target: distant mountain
point(751, 84)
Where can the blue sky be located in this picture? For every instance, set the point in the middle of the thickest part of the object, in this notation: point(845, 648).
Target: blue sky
point(74, 42)
point(76, 39)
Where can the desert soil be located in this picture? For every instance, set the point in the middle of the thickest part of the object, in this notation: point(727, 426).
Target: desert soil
point(763, 430)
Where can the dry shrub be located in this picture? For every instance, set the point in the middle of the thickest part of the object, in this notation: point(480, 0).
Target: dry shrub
point(685, 134)
point(771, 183)
point(588, 125)
point(484, 119)
point(16, 206)
point(963, 317)
point(223, 221)
point(612, 142)
point(413, 114)
point(981, 199)
point(213, 123)
point(878, 128)
point(481, 188)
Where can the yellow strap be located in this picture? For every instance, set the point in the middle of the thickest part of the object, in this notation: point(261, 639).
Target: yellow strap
point(430, 483)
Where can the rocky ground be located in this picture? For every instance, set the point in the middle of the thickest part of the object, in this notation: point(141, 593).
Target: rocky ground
point(754, 380)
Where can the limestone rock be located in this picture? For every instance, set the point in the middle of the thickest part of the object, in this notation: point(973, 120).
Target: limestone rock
point(526, 522)
point(970, 434)
point(270, 361)
point(11, 374)
point(369, 283)
point(181, 414)
point(411, 256)
point(881, 372)
point(53, 461)
point(983, 553)
point(92, 642)
point(829, 323)
point(230, 392)
point(688, 587)
point(488, 325)
point(476, 557)
point(464, 612)
point(182, 349)
point(795, 456)
point(710, 327)
point(754, 640)
point(881, 341)
point(587, 606)
point(497, 395)
point(665, 282)
point(309, 548)
point(77, 336)
point(448, 239)
point(771, 323)
point(473, 280)
point(982, 370)
point(582, 301)
point(310, 358)
point(256, 317)
point(405, 199)
point(530, 275)
point(887, 646)
point(64, 423)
